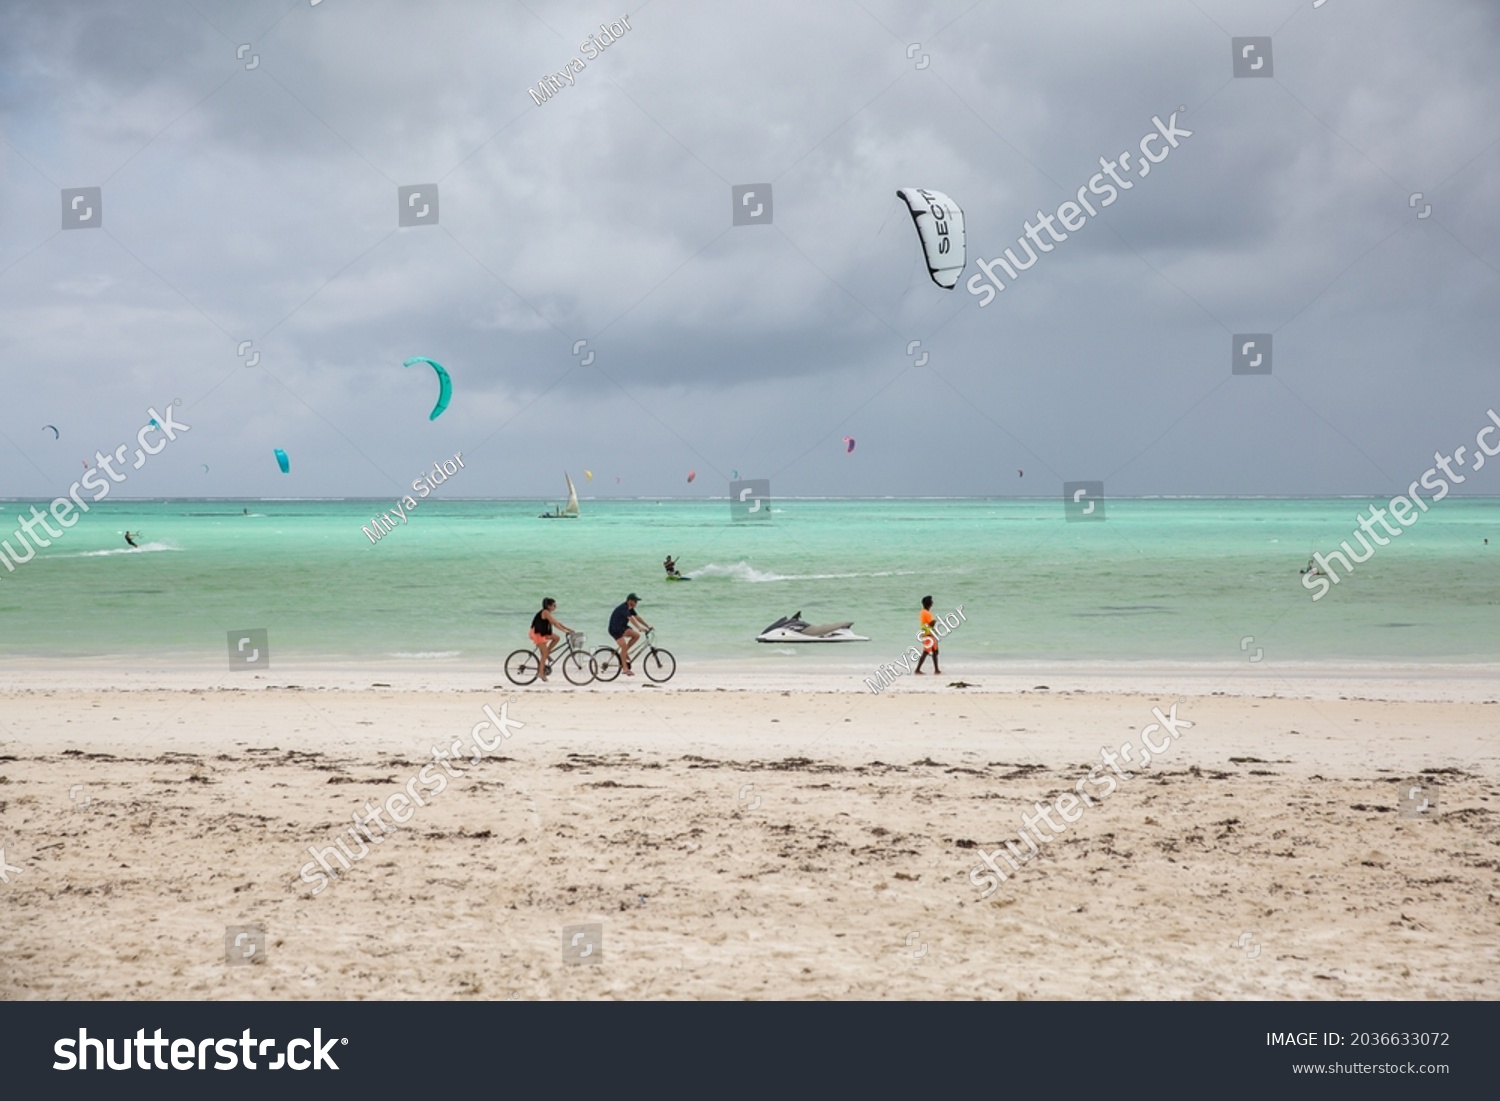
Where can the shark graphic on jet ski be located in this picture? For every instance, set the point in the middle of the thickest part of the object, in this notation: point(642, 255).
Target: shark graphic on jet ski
point(794, 628)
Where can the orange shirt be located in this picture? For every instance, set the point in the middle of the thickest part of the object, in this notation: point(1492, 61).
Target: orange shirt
point(927, 620)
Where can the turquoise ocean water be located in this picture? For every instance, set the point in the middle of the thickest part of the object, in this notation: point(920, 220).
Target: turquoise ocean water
point(1171, 580)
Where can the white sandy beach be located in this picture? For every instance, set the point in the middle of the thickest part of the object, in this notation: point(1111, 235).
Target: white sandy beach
point(742, 840)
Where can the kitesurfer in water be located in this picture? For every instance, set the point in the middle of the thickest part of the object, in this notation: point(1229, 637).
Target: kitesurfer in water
point(129, 540)
point(670, 566)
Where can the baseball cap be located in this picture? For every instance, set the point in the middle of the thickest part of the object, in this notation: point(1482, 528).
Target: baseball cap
point(632, 596)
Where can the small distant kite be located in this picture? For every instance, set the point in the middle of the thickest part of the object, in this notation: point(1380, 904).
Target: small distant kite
point(154, 424)
point(1020, 474)
point(445, 384)
point(283, 462)
point(735, 476)
point(589, 474)
point(205, 468)
point(617, 481)
point(692, 474)
point(848, 445)
point(85, 464)
point(56, 435)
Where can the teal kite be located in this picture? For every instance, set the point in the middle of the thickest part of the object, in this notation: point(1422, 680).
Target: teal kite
point(283, 462)
point(445, 384)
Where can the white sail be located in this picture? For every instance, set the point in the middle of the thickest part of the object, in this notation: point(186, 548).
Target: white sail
point(572, 506)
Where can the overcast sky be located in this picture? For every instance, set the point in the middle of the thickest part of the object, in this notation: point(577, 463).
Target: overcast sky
point(249, 155)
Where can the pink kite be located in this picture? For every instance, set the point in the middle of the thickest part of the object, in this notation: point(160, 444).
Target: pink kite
point(692, 474)
point(848, 445)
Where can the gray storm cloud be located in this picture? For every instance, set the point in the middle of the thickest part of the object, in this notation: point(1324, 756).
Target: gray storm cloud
point(249, 157)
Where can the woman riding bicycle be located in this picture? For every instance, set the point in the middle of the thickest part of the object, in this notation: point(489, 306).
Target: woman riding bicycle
point(541, 632)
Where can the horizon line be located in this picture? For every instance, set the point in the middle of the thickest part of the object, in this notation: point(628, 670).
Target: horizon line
point(789, 497)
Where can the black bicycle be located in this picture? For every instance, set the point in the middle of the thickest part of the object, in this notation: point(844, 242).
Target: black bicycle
point(656, 663)
point(524, 666)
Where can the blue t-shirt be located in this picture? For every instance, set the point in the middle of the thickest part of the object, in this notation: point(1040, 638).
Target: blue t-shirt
point(619, 620)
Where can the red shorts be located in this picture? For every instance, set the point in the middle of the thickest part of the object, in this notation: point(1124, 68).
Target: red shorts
point(537, 639)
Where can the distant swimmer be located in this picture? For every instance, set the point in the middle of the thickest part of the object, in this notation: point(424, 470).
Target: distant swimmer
point(131, 541)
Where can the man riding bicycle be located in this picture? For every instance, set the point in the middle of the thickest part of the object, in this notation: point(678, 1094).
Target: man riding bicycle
point(621, 630)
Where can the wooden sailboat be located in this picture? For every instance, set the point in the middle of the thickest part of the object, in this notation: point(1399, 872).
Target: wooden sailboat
point(568, 511)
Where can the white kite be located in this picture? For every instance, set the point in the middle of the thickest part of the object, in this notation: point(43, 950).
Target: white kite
point(940, 225)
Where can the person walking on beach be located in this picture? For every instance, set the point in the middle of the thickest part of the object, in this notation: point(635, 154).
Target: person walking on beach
point(928, 637)
point(541, 633)
point(620, 629)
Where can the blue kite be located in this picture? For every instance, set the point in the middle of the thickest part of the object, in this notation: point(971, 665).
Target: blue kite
point(445, 384)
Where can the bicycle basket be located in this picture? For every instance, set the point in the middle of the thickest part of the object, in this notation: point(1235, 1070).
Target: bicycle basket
point(577, 640)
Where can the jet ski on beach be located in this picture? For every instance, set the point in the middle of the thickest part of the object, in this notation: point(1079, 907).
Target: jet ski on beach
point(794, 628)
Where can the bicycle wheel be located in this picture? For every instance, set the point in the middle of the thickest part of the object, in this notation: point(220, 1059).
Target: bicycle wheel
point(659, 665)
point(578, 667)
point(606, 663)
point(522, 666)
